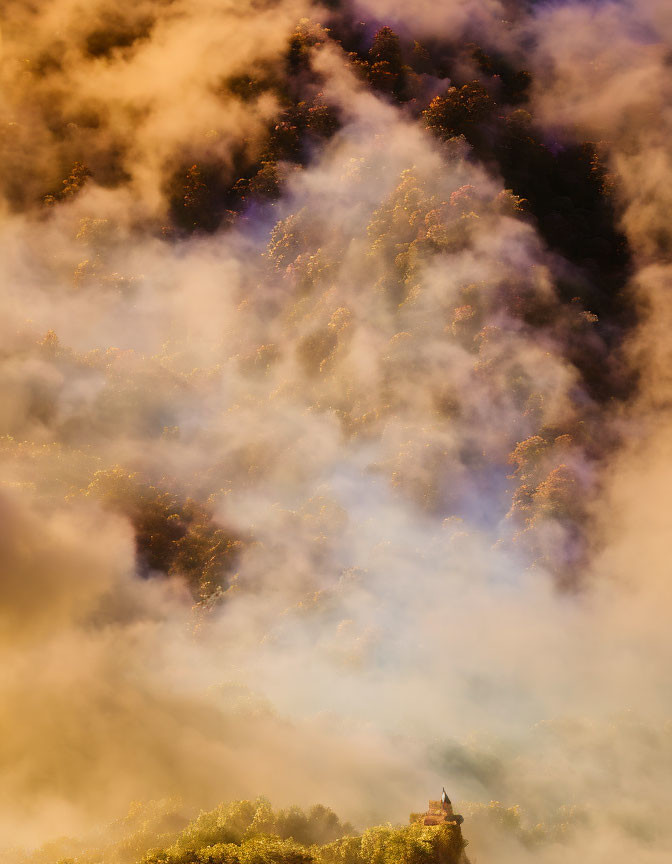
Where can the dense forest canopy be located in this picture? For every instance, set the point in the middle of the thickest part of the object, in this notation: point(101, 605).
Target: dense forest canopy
point(334, 430)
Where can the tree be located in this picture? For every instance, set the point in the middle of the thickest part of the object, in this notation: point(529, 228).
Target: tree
point(458, 110)
point(386, 71)
point(386, 49)
point(72, 185)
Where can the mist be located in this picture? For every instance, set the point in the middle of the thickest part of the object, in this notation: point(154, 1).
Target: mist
point(329, 474)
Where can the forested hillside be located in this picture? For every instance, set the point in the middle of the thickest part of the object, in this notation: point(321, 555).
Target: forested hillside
point(250, 832)
point(334, 430)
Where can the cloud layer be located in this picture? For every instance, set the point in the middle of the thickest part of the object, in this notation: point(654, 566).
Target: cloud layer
point(323, 502)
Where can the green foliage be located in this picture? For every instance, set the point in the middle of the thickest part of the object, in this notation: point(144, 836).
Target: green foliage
point(274, 850)
point(250, 832)
point(412, 844)
point(511, 821)
point(225, 824)
point(346, 850)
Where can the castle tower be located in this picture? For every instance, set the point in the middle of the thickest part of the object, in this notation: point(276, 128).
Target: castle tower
point(446, 806)
point(439, 813)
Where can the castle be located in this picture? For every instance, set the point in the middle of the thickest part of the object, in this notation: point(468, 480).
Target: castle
point(439, 813)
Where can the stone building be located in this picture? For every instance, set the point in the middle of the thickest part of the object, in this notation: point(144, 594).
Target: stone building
point(439, 813)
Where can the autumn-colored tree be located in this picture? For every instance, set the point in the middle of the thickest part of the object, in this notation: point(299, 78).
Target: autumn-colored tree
point(385, 65)
point(322, 120)
point(172, 536)
point(76, 179)
point(72, 185)
point(459, 110)
point(386, 49)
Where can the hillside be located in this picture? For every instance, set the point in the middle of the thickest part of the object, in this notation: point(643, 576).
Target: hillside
point(335, 430)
